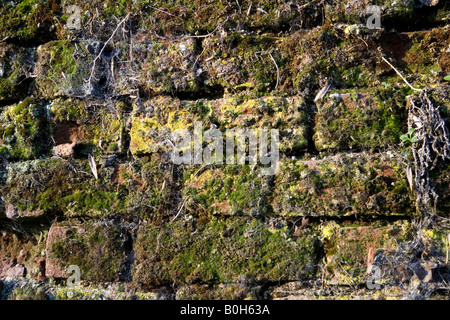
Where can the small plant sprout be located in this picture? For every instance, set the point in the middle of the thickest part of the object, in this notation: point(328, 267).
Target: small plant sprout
point(409, 136)
point(447, 77)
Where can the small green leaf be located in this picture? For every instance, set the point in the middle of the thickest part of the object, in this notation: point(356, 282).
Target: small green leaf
point(414, 139)
point(411, 131)
point(387, 85)
point(404, 137)
point(447, 78)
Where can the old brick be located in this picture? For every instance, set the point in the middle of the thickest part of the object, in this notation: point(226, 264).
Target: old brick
point(97, 250)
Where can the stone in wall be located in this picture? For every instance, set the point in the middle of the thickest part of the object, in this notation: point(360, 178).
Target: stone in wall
point(345, 184)
point(23, 254)
point(86, 127)
point(24, 130)
point(94, 247)
point(191, 250)
point(228, 190)
point(154, 122)
point(28, 20)
point(52, 186)
point(350, 251)
point(16, 71)
point(44, 21)
point(63, 68)
point(161, 66)
point(360, 120)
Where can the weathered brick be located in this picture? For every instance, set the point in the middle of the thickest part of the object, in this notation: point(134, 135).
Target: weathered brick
point(48, 186)
point(228, 190)
point(343, 185)
point(24, 130)
point(78, 127)
point(63, 66)
point(22, 254)
point(95, 248)
point(350, 251)
point(360, 120)
point(159, 65)
point(220, 252)
point(153, 124)
point(16, 71)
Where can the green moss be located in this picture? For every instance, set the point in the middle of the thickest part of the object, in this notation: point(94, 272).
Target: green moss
point(436, 243)
point(220, 251)
point(230, 190)
point(97, 250)
point(28, 20)
point(13, 63)
point(60, 186)
point(242, 59)
point(343, 185)
point(116, 8)
point(29, 291)
point(151, 128)
point(373, 119)
point(92, 202)
point(62, 71)
point(24, 130)
point(164, 67)
point(26, 250)
point(96, 132)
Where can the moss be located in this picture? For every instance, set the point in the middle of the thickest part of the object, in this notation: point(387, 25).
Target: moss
point(350, 250)
point(198, 15)
point(230, 190)
point(435, 244)
point(441, 177)
point(161, 116)
point(29, 291)
point(241, 59)
point(358, 184)
point(29, 20)
point(96, 132)
point(164, 115)
point(360, 120)
point(59, 186)
point(164, 67)
point(14, 65)
point(25, 249)
point(220, 251)
point(229, 291)
point(61, 69)
point(288, 115)
point(97, 250)
point(24, 130)
point(350, 13)
point(417, 54)
point(92, 203)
